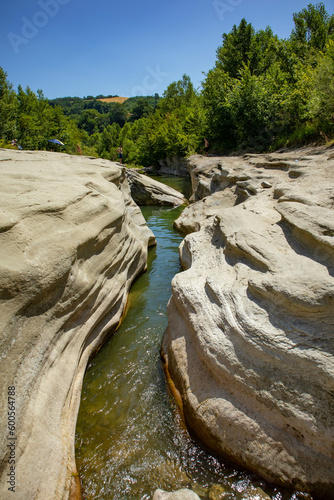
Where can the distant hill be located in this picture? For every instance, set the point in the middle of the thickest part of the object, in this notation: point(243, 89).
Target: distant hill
point(94, 114)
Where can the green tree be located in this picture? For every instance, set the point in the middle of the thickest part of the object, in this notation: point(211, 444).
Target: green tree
point(8, 108)
point(118, 114)
point(245, 47)
point(265, 91)
point(174, 129)
point(216, 89)
point(313, 26)
point(141, 109)
point(89, 120)
point(264, 51)
point(251, 110)
point(109, 141)
point(178, 94)
point(236, 49)
point(322, 102)
point(28, 120)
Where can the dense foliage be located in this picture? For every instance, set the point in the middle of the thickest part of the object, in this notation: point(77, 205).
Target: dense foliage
point(94, 114)
point(263, 93)
point(31, 120)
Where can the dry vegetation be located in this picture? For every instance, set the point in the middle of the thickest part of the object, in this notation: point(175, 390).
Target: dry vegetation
point(114, 99)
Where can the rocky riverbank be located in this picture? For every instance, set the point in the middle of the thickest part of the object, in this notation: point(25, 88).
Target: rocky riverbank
point(72, 241)
point(249, 344)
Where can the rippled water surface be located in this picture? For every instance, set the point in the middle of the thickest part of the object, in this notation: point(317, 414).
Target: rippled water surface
point(129, 438)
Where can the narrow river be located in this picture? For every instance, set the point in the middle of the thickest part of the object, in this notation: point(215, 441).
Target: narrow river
point(129, 438)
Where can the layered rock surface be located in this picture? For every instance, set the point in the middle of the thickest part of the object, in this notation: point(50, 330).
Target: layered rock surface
point(71, 240)
point(148, 191)
point(249, 343)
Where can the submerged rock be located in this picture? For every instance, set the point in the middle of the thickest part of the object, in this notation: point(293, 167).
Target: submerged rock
point(147, 191)
point(71, 240)
point(249, 343)
point(183, 494)
point(217, 492)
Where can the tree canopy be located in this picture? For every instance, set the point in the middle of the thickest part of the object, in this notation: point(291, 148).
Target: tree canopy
point(264, 92)
point(313, 26)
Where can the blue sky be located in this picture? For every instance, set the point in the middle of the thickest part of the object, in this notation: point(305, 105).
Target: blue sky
point(90, 47)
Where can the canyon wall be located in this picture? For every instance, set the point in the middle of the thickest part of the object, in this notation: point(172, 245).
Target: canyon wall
point(250, 337)
point(72, 241)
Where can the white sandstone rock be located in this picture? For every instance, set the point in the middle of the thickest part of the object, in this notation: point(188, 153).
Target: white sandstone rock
point(250, 337)
point(148, 191)
point(72, 240)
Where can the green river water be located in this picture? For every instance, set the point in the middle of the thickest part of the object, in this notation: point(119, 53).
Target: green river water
point(129, 438)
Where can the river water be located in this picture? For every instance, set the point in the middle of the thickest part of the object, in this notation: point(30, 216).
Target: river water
point(129, 438)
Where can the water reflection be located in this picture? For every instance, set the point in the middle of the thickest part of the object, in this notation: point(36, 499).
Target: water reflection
point(179, 183)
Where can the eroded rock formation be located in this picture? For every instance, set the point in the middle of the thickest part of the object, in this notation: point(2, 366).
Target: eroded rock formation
point(72, 240)
point(249, 343)
point(148, 191)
